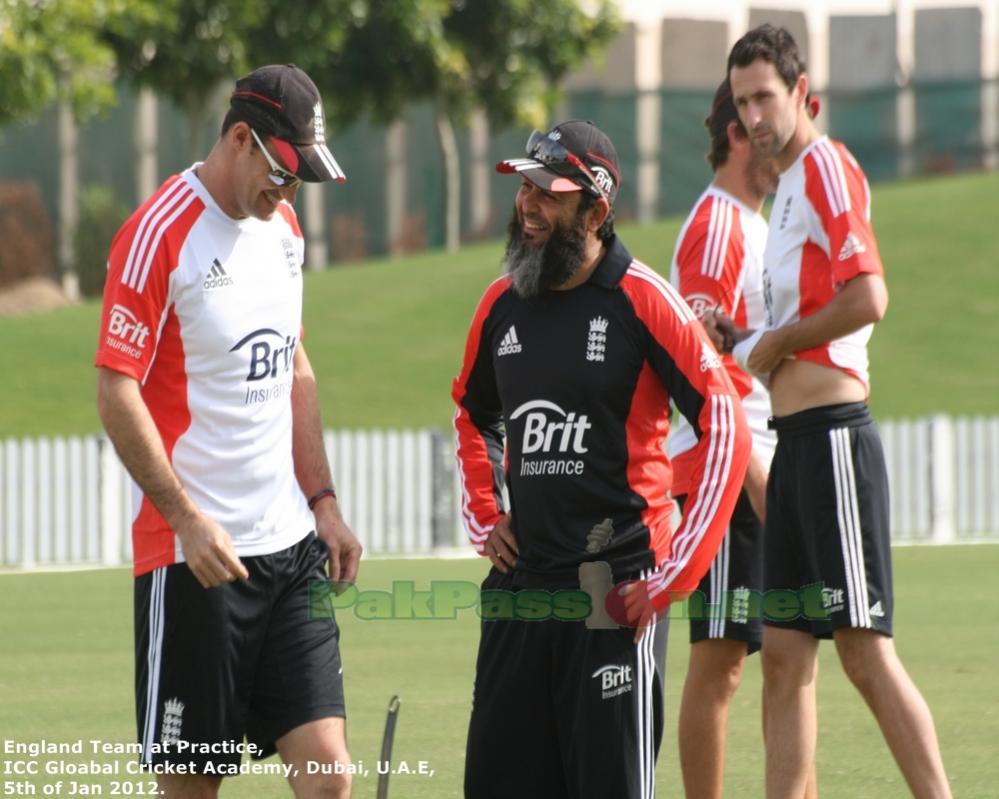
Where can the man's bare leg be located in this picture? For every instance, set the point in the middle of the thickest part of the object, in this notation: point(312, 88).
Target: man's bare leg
point(321, 741)
point(872, 664)
point(713, 675)
point(789, 669)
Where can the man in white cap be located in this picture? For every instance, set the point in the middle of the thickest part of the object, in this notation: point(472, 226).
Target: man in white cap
point(208, 396)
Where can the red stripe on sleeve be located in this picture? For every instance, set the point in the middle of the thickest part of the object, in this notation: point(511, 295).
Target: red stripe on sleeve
point(479, 505)
point(721, 455)
point(165, 394)
point(136, 292)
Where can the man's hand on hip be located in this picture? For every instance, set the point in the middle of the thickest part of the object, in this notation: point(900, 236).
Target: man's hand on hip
point(501, 546)
point(345, 549)
point(209, 552)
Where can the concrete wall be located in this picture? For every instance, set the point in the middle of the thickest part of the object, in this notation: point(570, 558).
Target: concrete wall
point(948, 44)
point(862, 52)
point(693, 53)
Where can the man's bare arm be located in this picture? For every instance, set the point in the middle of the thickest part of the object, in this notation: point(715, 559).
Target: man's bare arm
point(207, 547)
point(312, 470)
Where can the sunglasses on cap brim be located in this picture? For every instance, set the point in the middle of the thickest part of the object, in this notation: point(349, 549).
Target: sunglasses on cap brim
point(278, 175)
point(563, 162)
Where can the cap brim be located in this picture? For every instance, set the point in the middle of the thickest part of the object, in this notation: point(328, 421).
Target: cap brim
point(317, 164)
point(538, 174)
point(313, 163)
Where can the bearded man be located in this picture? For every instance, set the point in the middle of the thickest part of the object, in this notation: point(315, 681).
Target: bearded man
point(572, 359)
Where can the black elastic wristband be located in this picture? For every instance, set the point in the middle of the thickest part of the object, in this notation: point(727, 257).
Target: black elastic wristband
point(324, 492)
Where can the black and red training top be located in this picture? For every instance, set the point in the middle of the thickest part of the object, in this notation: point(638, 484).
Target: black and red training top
point(565, 398)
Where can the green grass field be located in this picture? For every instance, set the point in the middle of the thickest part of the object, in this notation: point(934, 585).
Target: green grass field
point(386, 337)
point(66, 674)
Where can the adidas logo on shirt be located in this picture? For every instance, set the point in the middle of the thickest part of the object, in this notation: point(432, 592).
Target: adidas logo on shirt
point(216, 277)
point(509, 345)
point(709, 359)
point(877, 610)
point(852, 246)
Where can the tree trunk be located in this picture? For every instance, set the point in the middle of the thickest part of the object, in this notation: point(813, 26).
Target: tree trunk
point(145, 133)
point(317, 256)
point(396, 181)
point(195, 125)
point(69, 192)
point(452, 180)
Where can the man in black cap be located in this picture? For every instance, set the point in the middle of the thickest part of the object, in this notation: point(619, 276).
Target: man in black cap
point(209, 398)
point(572, 359)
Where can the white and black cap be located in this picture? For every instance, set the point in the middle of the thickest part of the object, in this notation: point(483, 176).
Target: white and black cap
point(572, 156)
point(281, 101)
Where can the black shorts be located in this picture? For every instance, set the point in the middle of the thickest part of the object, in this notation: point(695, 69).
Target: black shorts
point(726, 602)
point(827, 535)
point(562, 711)
point(245, 659)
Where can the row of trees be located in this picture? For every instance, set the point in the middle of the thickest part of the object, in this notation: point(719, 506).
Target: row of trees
point(369, 57)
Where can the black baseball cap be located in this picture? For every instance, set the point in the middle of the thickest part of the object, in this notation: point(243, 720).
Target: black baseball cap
point(281, 101)
point(572, 156)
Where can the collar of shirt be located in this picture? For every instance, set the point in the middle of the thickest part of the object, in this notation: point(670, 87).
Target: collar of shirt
point(612, 266)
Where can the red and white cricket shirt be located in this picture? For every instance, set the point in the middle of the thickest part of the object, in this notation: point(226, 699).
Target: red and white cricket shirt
point(820, 237)
point(718, 262)
point(205, 312)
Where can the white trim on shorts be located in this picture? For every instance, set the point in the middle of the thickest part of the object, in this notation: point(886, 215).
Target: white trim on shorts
point(848, 518)
point(154, 659)
point(646, 667)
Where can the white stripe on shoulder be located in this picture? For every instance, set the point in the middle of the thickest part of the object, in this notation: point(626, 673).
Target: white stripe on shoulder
point(833, 178)
point(149, 219)
point(183, 201)
point(722, 239)
point(639, 270)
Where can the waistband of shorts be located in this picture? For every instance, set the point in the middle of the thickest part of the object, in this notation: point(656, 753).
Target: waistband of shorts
point(825, 417)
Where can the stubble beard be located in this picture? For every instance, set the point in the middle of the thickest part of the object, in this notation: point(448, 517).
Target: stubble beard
point(536, 268)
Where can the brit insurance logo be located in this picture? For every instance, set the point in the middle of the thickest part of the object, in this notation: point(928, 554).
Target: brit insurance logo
point(614, 680)
point(216, 277)
point(125, 332)
point(270, 369)
point(552, 437)
point(700, 304)
point(603, 179)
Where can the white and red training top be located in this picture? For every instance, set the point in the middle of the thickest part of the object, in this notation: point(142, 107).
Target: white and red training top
point(205, 312)
point(718, 262)
point(820, 237)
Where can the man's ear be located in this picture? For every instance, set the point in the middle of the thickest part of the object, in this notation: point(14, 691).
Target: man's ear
point(240, 136)
point(736, 138)
point(801, 88)
point(598, 214)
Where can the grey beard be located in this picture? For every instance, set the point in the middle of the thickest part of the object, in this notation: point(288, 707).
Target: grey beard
point(536, 269)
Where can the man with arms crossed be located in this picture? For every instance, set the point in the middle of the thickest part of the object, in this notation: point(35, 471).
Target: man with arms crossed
point(570, 364)
point(208, 396)
point(718, 267)
point(827, 497)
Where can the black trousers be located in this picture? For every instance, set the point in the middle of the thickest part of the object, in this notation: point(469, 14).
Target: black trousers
point(563, 711)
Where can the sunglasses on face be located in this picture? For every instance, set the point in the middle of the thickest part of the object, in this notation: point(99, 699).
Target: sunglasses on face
point(278, 175)
point(560, 160)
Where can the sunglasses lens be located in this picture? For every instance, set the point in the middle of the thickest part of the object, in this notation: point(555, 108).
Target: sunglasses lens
point(561, 161)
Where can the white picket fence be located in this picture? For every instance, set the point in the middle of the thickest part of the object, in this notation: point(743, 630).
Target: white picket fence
point(68, 501)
